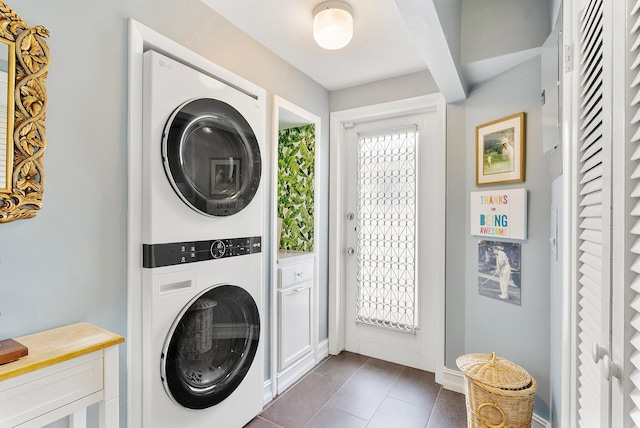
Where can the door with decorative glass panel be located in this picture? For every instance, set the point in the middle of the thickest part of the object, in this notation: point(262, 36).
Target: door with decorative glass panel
point(392, 184)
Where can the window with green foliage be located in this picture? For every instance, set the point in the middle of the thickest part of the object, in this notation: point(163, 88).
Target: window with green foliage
point(296, 172)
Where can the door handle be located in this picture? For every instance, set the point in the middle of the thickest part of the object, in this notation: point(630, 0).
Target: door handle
point(597, 352)
point(611, 368)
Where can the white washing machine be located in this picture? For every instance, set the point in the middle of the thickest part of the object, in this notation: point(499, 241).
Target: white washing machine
point(202, 285)
point(203, 355)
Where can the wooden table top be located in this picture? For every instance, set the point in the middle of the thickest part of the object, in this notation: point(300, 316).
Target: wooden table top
point(54, 346)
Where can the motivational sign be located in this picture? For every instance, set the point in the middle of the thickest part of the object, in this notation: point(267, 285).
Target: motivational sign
point(499, 213)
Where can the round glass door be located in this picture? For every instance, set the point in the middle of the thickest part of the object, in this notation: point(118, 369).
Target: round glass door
point(210, 347)
point(211, 157)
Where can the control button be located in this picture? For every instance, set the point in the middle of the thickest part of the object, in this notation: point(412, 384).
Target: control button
point(218, 249)
point(187, 247)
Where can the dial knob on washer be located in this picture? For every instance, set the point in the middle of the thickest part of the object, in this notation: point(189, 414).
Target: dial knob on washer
point(218, 249)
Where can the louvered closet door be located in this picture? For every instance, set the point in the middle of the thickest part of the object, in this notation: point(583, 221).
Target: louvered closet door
point(632, 394)
point(593, 216)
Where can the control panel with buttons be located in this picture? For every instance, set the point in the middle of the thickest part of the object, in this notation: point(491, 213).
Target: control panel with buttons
point(159, 255)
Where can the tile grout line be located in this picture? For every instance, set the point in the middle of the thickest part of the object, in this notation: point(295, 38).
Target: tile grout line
point(334, 394)
point(348, 379)
point(270, 421)
point(387, 393)
point(435, 403)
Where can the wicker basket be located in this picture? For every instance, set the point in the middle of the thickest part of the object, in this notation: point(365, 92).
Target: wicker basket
point(499, 393)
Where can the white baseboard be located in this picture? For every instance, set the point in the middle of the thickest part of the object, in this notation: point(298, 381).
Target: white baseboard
point(296, 371)
point(538, 422)
point(267, 396)
point(323, 350)
point(453, 380)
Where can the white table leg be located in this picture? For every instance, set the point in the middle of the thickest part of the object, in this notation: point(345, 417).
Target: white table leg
point(109, 406)
point(78, 419)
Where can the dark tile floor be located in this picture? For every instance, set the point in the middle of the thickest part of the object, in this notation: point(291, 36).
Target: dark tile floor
point(354, 391)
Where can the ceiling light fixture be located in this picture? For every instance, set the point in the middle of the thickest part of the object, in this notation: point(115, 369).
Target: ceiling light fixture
point(332, 24)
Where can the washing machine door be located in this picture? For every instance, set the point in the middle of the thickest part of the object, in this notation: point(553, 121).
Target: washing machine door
point(211, 157)
point(211, 347)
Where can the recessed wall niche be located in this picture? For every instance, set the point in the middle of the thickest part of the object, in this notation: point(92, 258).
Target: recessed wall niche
point(296, 177)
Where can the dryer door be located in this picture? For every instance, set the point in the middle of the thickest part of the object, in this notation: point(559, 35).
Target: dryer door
point(210, 347)
point(211, 157)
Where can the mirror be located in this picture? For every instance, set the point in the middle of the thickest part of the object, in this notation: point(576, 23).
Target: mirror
point(7, 82)
point(24, 62)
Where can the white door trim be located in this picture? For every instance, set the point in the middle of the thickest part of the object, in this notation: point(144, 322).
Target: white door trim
point(427, 103)
point(281, 105)
point(141, 39)
point(569, 135)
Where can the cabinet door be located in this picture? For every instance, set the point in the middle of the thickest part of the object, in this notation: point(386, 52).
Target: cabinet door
point(295, 323)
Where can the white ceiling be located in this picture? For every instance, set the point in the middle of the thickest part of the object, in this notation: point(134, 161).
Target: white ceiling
point(382, 44)
point(391, 38)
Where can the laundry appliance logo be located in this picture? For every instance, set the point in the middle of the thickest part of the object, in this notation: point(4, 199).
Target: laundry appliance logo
point(493, 223)
point(499, 213)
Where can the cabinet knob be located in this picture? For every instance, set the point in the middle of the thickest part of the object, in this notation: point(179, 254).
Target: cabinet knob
point(610, 368)
point(350, 251)
point(597, 352)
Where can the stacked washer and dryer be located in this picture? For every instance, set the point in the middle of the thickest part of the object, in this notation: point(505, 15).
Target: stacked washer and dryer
point(202, 296)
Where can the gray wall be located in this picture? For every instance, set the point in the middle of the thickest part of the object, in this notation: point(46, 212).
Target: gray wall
point(518, 333)
point(491, 28)
point(393, 89)
point(69, 263)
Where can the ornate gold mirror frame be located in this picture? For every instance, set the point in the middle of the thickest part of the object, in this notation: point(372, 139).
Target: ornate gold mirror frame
point(22, 175)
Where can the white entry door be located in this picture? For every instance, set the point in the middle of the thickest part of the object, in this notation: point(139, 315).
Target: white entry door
point(393, 241)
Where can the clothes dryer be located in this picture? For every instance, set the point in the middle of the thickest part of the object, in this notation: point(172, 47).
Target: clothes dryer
point(202, 224)
point(202, 165)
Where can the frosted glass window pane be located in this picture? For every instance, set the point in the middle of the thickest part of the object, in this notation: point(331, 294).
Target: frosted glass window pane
point(386, 190)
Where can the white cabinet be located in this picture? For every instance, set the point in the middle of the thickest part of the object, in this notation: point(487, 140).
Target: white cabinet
point(295, 324)
point(295, 285)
